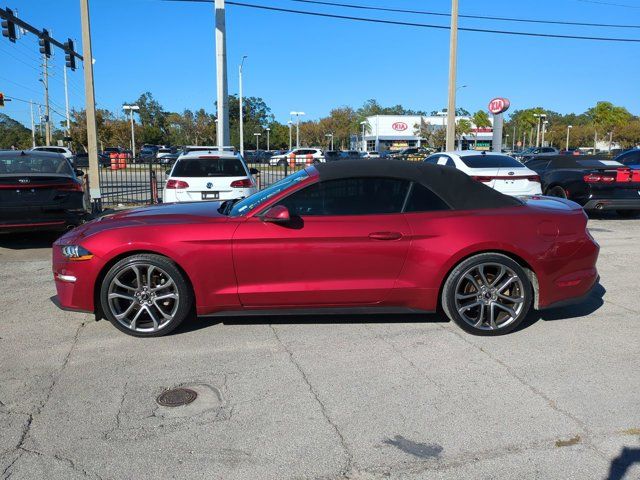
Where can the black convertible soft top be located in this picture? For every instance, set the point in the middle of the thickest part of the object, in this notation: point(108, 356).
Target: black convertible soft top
point(456, 188)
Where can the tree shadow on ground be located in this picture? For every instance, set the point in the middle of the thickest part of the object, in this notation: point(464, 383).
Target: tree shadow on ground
point(291, 317)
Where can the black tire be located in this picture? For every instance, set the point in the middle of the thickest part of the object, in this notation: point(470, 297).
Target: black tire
point(495, 260)
point(556, 192)
point(628, 213)
point(282, 162)
point(183, 292)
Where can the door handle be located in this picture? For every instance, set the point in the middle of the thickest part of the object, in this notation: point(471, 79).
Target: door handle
point(385, 236)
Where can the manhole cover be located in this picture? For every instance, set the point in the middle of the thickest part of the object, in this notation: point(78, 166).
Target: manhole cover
point(176, 397)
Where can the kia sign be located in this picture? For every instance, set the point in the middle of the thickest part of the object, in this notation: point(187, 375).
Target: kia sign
point(499, 105)
point(399, 126)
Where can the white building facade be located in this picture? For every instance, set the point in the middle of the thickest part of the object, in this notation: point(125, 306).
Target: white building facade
point(395, 132)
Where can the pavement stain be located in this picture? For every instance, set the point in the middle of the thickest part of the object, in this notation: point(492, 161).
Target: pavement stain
point(420, 450)
point(567, 443)
point(631, 431)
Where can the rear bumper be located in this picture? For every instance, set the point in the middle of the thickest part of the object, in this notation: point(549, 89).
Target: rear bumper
point(574, 300)
point(613, 204)
point(51, 223)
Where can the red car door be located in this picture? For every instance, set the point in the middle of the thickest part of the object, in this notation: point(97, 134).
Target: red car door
point(338, 249)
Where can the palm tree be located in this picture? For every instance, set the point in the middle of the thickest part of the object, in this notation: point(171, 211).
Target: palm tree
point(463, 127)
point(480, 120)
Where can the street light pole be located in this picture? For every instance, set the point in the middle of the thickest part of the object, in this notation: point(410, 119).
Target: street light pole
point(290, 123)
point(297, 114)
point(453, 54)
point(330, 135)
point(130, 109)
point(544, 130)
point(268, 130)
point(569, 127)
point(241, 109)
point(364, 143)
point(257, 141)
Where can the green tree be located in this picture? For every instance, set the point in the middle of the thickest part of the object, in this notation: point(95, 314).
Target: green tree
point(13, 133)
point(481, 120)
point(463, 127)
point(607, 117)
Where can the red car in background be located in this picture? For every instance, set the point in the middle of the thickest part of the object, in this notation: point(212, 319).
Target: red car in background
point(382, 234)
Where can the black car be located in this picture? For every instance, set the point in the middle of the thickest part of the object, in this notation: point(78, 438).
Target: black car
point(147, 154)
point(630, 158)
point(82, 160)
point(39, 191)
point(595, 184)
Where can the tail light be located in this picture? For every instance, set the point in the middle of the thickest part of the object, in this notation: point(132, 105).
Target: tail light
point(244, 183)
point(70, 187)
point(532, 178)
point(598, 178)
point(173, 184)
point(483, 179)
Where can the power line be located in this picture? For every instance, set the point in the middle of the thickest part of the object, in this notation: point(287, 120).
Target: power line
point(420, 25)
point(480, 17)
point(610, 4)
point(35, 103)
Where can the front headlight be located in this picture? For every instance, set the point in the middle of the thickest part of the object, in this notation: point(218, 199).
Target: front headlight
point(76, 253)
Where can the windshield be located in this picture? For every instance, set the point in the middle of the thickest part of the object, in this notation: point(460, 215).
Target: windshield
point(32, 164)
point(490, 161)
point(209, 167)
point(246, 205)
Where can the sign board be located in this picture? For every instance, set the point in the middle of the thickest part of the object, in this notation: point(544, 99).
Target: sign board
point(499, 105)
point(399, 126)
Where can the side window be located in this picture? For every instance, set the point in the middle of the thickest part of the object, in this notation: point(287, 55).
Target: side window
point(432, 160)
point(631, 159)
point(450, 163)
point(351, 196)
point(422, 199)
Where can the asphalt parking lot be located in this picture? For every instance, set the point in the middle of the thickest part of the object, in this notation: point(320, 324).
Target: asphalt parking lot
point(359, 397)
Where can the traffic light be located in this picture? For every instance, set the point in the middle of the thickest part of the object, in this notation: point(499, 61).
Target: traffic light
point(8, 27)
point(69, 55)
point(45, 45)
point(1, 99)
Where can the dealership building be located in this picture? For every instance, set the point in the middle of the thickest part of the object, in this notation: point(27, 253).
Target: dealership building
point(395, 132)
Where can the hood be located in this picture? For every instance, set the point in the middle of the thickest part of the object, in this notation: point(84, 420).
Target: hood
point(165, 214)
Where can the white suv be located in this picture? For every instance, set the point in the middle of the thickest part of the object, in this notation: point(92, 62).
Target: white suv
point(500, 172)
point(210, 175)
point(302, 156)
point(68, 154)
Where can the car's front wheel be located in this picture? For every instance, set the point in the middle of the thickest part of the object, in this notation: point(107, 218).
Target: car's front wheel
point(487, 294)
point(145, 295)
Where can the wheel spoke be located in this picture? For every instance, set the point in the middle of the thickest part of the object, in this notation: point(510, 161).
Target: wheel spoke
point(126, 312)
point(498, 276)
point(510, 311)
point(473, 281)
point(162, 286)
point(482, 275)
point(122, 285)
point(120, 295)
point(136, 270)
point(480, 317)
point(510, 299)
point(492, 316)
point(162, 312)
point(153, 317)
point(134, 321)
point(500, 288)
point(167, 296)
point(150, 270)
point(466, 296)
point(461, 310)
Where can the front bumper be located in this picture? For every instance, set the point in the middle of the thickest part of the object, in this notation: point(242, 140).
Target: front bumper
point(75, 281)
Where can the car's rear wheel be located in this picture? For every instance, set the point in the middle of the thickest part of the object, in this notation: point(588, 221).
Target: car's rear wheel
point(487, 294)
point(282, 162)
point(557, 192)
point(145, 295)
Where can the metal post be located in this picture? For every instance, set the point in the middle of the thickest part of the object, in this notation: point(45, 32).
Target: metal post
point(538, 130)
point(90, 105)
point(268, 130)
point(240, 98)
point(223, 137)
point(544, 130)
point(569, 127)
point(453, 53)
point(610, 140)
point(364, 144)
point(513, 139)
point(498, 121)
point(133, 136)
point(290, 141)
point(297, 131)
point(33, 126)
point(45, 81)
point(66, 101)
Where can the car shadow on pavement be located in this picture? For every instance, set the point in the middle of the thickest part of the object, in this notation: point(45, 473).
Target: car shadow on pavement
point(25, 241)
point(623, 462)
point(592, 303)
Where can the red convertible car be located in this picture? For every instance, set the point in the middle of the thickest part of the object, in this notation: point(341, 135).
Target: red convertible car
point(384, 235)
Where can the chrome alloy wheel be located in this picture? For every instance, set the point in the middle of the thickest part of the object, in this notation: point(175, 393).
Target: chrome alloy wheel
point(489, 296)
point(143, 298)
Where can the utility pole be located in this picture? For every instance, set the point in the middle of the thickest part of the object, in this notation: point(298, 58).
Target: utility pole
point(297, 114)
point(241, 109)
point(33, 126)
point(290, 123)
point(66, 101)
point(513, 142)
point(453, 54)
point(90, 105)
point(569, 127)
point(40, 118)
point(268, 131)
point(222, 133)
point(45, 81)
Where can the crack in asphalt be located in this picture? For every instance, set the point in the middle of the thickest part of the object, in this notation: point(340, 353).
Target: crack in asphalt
point(586, 432)
point(31, 416)
point(347, 468)
point(401, 354)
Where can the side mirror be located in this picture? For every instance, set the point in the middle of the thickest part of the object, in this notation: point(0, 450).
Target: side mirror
point(78, 172)
point(254, 171)
point(277, 214)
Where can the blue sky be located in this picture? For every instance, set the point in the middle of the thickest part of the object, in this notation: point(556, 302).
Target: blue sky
point(314, 64)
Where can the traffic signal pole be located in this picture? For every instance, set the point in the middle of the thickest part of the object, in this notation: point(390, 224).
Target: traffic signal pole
point(45, 81)
point(222, 132)
point(90, 105)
